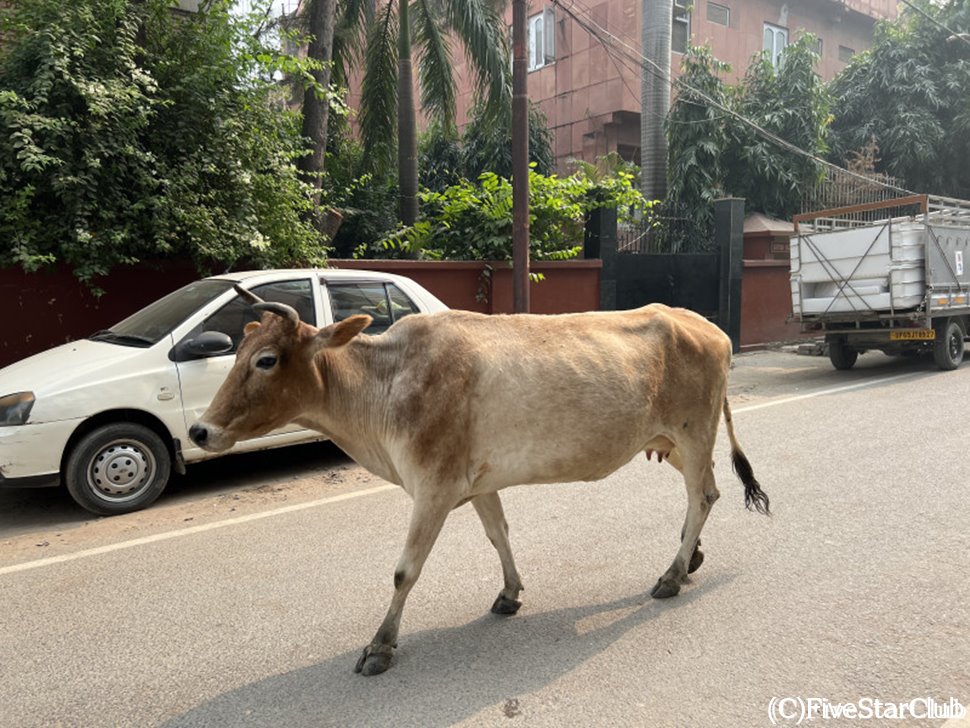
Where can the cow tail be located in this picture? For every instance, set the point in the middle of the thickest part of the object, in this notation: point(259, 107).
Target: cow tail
point(753, 495)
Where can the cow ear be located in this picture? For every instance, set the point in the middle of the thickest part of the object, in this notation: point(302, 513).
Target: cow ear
point(250, 327)
point(340, 333)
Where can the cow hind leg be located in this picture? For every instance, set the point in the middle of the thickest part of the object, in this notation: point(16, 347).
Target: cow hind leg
point(697, 557)
point(701, 495)
point(489, 509)
point(427, 518)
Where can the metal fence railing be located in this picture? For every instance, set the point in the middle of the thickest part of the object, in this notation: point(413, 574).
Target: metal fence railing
point(668, 229)
point(841, 188)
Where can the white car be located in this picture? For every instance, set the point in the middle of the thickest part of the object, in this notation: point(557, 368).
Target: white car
point(108, 416)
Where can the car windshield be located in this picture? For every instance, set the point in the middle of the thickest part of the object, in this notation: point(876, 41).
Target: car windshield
point(149, 325)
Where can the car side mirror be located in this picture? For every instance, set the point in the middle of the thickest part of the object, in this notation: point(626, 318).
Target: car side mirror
point(208, 343)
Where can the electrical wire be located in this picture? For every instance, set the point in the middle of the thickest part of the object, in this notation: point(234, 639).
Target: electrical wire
point(953, 34)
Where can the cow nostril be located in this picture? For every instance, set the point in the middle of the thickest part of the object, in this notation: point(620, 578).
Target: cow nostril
point(198, 434)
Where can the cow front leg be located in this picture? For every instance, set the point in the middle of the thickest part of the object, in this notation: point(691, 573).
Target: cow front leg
point(701, 495)
point(489, 509)
point(427, 518)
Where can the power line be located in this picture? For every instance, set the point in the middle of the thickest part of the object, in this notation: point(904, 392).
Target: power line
point(953, 34)
point(613, 43)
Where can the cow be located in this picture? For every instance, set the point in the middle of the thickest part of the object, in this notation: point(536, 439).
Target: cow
point(455, 406)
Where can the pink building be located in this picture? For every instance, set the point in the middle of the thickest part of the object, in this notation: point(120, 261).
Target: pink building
point(590, 90)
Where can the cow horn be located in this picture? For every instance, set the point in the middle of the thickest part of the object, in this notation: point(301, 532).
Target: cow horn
point(247, 295)
point(280, 309)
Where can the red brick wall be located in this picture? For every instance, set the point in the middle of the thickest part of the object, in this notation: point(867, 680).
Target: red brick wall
point(41, 310)
point(569, 286)
point(45, 309)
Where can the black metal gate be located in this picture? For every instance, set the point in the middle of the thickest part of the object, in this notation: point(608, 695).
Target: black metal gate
point(674, 260)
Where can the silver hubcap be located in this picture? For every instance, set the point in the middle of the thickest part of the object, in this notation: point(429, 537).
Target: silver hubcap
point(121, 470)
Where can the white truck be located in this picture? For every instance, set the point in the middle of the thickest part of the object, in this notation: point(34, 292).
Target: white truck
point(892, 276)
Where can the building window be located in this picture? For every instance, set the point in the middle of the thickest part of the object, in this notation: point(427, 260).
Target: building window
point(680, 32)
point(720, 14)
point(776, 40)
point(845, 53)
point(542, 39)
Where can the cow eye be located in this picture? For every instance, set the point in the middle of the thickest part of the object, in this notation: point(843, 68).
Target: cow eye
point(266, 362)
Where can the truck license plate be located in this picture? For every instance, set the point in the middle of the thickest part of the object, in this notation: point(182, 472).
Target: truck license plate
point(912, 335)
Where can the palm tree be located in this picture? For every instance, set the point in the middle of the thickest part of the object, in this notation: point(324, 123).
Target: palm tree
point(386, 28)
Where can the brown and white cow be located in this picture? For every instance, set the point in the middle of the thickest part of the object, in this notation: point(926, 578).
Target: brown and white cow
point(455, 406)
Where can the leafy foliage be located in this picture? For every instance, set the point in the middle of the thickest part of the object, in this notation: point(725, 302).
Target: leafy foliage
point(366, 199)
point(697, 140)
point(791, 103)
point(128, 132)
point(486, 146)
point(473, 221)
point(445, 157)
point(713, 153)
point(369, 32)
point(910, 94)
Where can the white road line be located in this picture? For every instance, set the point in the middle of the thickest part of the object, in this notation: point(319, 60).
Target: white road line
point(26, 566)
point(50, 561)
point(823, 392)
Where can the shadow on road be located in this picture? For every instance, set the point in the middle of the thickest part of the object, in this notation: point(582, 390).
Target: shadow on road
point(440, 677)
point(24, 510)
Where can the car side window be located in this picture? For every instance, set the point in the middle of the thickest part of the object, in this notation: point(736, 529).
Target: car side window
point(384, 302)
point(233, 317)
point(401, 305)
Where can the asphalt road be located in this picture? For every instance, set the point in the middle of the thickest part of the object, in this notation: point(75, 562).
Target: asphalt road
point(244, 597)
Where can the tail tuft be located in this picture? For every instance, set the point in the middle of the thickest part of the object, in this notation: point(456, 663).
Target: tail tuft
point(753, 495)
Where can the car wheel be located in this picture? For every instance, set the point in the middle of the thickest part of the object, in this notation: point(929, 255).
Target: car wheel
point(948, 346)
point(841, 356)
point(118, 468)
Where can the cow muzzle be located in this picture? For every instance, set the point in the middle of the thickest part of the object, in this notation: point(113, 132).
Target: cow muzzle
point(210, 437)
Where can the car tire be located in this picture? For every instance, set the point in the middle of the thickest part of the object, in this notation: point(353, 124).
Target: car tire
point(948, 345)
point(117, 468)
point(841, 356)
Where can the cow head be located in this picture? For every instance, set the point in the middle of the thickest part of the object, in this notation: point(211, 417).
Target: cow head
point(275, 375)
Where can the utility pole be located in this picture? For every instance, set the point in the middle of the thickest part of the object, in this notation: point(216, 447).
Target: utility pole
point(654, 96)
point(520, 159)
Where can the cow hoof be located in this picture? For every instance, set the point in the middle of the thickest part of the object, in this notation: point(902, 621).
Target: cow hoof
point(374, 660)
point(664, 589)
point(504, 605)
point(696, 559)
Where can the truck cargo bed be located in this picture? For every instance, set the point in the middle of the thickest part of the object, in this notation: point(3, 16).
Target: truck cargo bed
point(846, 268)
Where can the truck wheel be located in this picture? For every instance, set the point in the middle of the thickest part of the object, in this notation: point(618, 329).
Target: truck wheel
point(948, 345)
point(841, 356)
point(118, 468)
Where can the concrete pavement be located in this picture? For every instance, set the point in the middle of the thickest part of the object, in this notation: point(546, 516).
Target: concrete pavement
point(856, 588)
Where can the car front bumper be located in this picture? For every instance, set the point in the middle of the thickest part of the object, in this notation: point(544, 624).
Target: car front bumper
point(30, 455)
point(50, 480)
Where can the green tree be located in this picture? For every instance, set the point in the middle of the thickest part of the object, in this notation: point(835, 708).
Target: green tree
point(446, 158)
point(319, 17)
point(486, 147)
point(791, 103)
point(713, 152)
point(910, 93)
point(697, 140)
point(473, 220)
point(387, 103)
point(128, 132)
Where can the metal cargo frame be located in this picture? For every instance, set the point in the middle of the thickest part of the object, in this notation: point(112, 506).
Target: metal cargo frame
point(946, 241)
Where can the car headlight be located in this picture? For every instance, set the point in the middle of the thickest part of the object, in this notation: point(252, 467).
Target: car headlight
point(15, 408)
